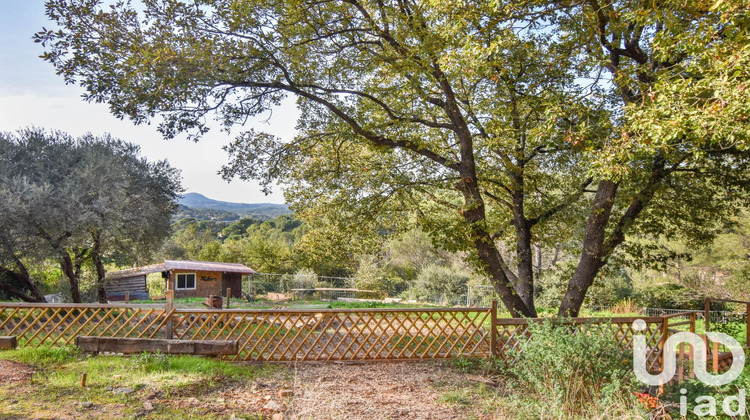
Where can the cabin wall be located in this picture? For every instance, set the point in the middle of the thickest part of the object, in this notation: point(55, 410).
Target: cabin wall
point(135, 286)
point(203, 286)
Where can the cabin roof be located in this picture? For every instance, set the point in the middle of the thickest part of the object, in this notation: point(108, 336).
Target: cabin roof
point(181, 265)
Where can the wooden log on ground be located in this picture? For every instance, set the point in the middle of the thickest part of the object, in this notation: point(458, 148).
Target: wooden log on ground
point(8, 342)
point(140, 345)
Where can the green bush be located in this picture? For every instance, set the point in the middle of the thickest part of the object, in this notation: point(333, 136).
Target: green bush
point(567, 374)
point(373, 275)
point(436, 280)
point(670, 296)
point(304, 278)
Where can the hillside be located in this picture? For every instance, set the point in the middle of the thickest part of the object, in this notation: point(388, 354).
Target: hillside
point(200, 204)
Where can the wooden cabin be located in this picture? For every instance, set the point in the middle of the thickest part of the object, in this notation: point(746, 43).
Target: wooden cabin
point(188, 279)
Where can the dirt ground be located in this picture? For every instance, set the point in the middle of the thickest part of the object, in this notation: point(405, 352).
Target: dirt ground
point(406, 390)
point(14, 372)
point(373, 391)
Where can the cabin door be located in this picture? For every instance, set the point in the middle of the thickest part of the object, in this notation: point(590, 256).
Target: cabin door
point(232, 281)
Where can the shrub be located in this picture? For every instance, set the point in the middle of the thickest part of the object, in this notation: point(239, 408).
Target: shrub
point(565, 373)
point(304, 278)
point(372, 275)
point(436, 280)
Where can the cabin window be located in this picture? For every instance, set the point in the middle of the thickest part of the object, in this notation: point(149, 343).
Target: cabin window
point(185, 282)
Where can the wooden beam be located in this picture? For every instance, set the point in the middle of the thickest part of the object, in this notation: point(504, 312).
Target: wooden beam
point(140, 345)
point(8, 342)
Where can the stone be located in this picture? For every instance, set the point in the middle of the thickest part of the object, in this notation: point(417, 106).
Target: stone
point(148, 406)
point(273, 406)
point(123, 391)
point(87, 404)
point(277, 416)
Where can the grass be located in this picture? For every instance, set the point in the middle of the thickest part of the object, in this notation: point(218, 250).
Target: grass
point(55, 387)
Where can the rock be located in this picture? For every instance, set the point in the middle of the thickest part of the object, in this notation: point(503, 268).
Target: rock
point(273, 406)
point(87, 404)
point(148, 406)
point(123, 391)
point(277, 416)
point(283, 393)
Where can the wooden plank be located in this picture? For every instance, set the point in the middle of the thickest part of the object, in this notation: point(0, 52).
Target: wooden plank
point(8, 342)
point(216, 347)
point(140, 345)
point(88, 344)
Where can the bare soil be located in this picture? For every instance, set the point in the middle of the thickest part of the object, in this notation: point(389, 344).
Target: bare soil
point(373, 391)
point(14, 372)
point(396, 390)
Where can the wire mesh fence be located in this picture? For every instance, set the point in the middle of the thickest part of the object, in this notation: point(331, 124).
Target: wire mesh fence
point(470, 296)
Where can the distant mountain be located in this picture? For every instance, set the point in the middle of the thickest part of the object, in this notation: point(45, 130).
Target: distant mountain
point(258, 210)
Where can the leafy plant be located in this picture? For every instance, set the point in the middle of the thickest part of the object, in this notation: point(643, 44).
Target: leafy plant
point(564, 372)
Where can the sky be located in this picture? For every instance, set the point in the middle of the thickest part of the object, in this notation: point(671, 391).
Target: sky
point(32, 94)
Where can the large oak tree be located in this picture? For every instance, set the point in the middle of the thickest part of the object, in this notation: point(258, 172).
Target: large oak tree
point(502, 122)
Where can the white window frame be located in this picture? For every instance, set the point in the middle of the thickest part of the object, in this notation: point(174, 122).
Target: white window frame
point(177, 282)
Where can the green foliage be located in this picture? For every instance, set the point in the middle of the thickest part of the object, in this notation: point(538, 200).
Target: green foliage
point(304, 278)
point(481, 122)
point(78, 202)
point(157, 286)
point(567, 375)
point(373, 275)
point(669, 296)
point(695, 388)
point(436, 280)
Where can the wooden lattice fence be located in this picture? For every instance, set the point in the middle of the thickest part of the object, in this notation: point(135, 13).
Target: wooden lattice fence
point(37, 325)
point(283, 335)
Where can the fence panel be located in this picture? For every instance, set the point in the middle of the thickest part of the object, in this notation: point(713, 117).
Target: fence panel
point(287, 335)
point(311, 335)
point(511, 332)
point(59, 324)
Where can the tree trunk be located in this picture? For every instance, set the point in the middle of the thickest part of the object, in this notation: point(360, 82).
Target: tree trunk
point(66, 264)
point(21, 277)
point(24, 277)
point(591, 255)
point(96, 256)
point(525, 284)
point(538, 258)
point(474, 214)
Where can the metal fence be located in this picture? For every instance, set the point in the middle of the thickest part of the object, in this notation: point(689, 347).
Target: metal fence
point(720, 317)
point(471, 296)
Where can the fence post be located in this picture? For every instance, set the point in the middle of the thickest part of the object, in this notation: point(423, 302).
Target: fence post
point(715, 357)
point(663, 341)
point(229, 296)
point(707, 306)
point(168, 307)
point(493, 328)
point(747, 322)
